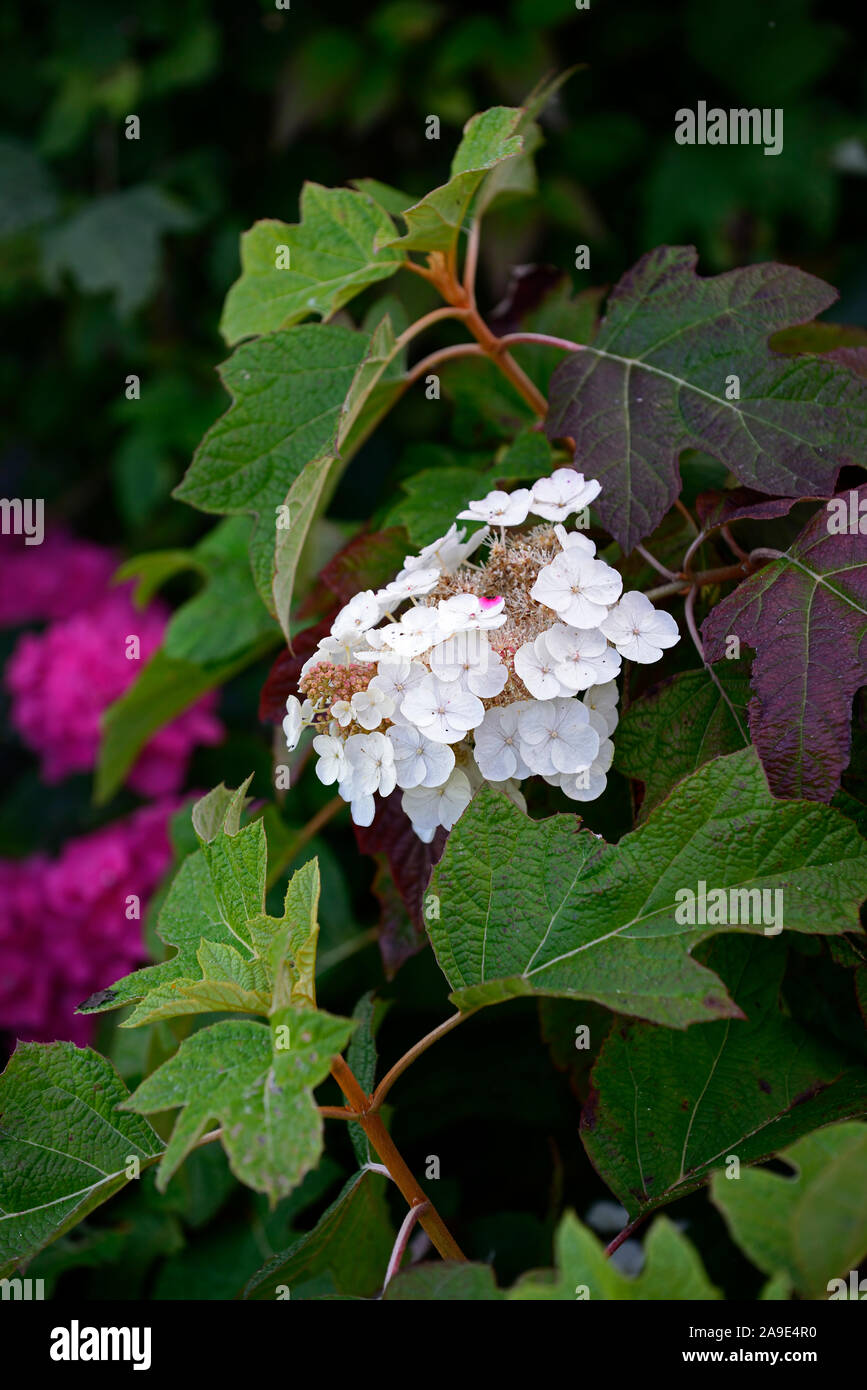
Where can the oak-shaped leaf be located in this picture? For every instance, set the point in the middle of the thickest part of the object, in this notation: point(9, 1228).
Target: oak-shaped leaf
point(256, 1083)
point(434, 223)
point(673, 1270)
point(544, 907)
point(668, 1108)
point(64, 1150)
point(683, 362)
point(810, 1226)
point(805, 615)
point(288, 391)
point(230, 956)
point(291, 272)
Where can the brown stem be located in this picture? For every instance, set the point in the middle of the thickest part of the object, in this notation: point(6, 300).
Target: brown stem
point(442, 355)
point(409, 1057)
point(305, 834)
point(385, 1147)
point(335, 1112)
point(441, 273)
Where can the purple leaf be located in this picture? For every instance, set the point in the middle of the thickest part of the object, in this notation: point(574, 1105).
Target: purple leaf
point(654, 380)
point(806, 617)
point(405, 864)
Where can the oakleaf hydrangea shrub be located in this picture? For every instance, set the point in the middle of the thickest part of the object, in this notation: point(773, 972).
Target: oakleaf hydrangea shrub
point(497, 661)
point(587, 698)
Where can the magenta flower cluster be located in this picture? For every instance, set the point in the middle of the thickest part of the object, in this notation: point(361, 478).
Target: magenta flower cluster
point(72, 925)
point(62, 678)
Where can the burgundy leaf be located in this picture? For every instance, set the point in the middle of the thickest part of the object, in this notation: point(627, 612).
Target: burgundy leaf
point(368, 561)
point(527, 287)
point(654, 380)
point(742, 504)
point(282, 679)
point(805, 615)
point(405, 864)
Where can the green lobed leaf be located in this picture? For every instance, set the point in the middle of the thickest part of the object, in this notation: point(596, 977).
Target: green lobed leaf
point(653, 383)
point(810, 1227)
point(433, 224)
point(332, 255)
point(113, 244)
point(682, 724)
point(544, 907)
point(288, 391)
point(673, 1270)
point(369, 395)
point(346, 1253)
point(256, 1083)
point(669, 1107)
point(64, 1150)
point(230, 955)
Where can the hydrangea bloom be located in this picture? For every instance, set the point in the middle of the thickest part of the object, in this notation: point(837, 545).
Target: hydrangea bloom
point(68, 927)
point(491, 670)
point(63, 678)
point(40, 583)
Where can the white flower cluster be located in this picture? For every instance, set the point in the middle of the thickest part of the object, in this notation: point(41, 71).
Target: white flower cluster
point(480, 672)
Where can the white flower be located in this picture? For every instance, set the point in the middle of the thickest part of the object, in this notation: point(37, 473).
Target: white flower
point(357, 617)
point(369, 761)
point(498, 745)
point(563, 493)
point(371, 706)
point(292, 724)
point(556, 736)
point(468, 658)
point(362, 808)
point(418, 761)
point(341, 710)
point(603, 699)
point(638, 630)
point(464, 612)
point(574, 540)
point(442, 710)
point(336, 650)
point(577, 654)
point(332, 762)
point(446, 553)
point(417, 631)
point(395, 675)
point(431, 807)
point(580, 590)
point(418, 581)
point(500, 508)
point(590, 783)
point(535, 665)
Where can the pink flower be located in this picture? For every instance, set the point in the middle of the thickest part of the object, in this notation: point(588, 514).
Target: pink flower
point(39, 583)
point(73, 925)
point(63, 678)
